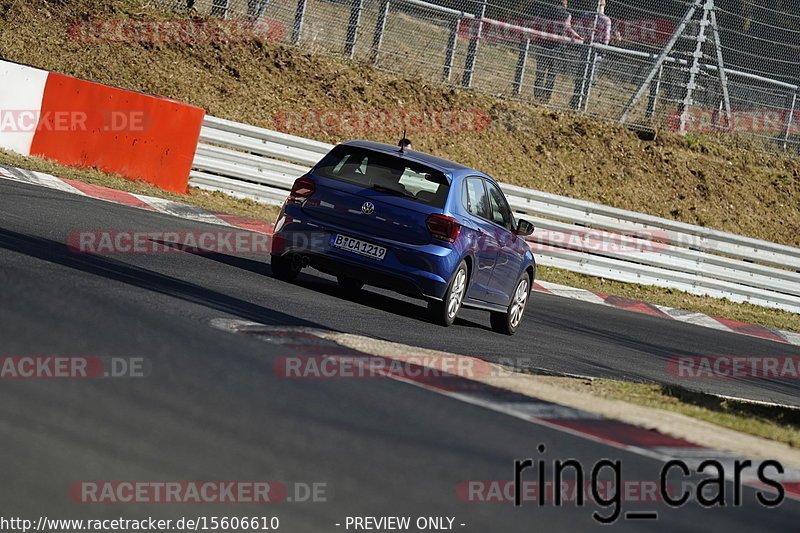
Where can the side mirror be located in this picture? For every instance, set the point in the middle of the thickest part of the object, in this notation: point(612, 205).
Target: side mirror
point(524, 228)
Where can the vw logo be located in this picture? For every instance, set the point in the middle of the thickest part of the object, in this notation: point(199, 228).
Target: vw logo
point(368, 208)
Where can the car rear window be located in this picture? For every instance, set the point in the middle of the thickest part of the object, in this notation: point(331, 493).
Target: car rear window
point(385, 173)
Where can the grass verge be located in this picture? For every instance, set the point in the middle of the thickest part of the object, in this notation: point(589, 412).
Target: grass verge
point(213, 201)
point(743, 312)
point(781, 424)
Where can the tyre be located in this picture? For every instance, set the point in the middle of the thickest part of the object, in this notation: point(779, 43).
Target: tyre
point(285, 267)
point(508, 322)
point(350, 284)
point(444, 312)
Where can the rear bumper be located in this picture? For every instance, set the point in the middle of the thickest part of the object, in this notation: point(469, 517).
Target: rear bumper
point(417, 270)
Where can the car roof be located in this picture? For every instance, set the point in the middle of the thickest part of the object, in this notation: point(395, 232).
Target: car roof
point(438, 163)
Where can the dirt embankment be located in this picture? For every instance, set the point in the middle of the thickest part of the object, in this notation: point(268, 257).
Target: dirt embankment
point(692, 179)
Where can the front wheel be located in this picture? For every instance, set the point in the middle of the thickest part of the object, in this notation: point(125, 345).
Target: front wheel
point(444, 312)
point(508, 322)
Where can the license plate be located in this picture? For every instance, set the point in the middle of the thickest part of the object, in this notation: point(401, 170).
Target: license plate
point(359, 247)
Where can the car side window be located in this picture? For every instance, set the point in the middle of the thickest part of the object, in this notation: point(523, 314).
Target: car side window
point(499, 209)
point(474, 197)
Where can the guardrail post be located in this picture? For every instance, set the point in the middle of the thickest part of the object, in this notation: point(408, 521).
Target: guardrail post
point(472, 51)
point(380, 27)
point(522, 62)
point(450, 53)
point(299, 19)
point(352, 28)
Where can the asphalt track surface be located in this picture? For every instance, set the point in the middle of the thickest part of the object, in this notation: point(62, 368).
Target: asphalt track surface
point(212, 409)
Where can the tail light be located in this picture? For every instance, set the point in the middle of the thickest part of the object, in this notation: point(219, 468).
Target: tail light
point(302, 189)
point(443, 228)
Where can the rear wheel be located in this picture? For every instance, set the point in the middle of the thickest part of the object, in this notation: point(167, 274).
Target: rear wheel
point(285, 267)
point(350, 284)
point(444, 312)
point(508, 322)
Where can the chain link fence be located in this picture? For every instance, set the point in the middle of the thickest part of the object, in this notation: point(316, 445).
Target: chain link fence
point(707, 66)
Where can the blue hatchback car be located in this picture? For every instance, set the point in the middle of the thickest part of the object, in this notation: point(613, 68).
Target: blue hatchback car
point(411, 222)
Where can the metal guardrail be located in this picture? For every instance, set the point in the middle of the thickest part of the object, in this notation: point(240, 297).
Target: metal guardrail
point(251, 162)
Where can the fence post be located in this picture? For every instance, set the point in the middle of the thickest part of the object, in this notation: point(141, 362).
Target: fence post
point(582, 83)
point(256, 8)
point(694, 69)
point(219, 8)
point(589, 84)
point(380, 27)
point(655, 89)
point(662, 57)
point(472, 51)
point(522, 62)
point(450, 53)
point(789, 121)
point(299, 19)
point(723, 76)
point(588, 56)
point(352, 28)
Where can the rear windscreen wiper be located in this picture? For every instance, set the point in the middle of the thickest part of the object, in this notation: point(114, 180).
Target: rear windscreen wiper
point(396, 192)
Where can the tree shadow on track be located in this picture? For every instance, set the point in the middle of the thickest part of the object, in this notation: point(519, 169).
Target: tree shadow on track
point(238, 261)
point(414, 310)
point(59, 253)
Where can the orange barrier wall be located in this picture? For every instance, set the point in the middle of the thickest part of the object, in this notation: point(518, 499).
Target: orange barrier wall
point(128, 133)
